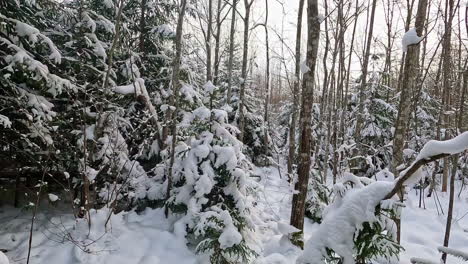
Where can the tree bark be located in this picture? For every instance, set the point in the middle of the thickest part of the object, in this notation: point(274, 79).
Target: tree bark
point(175, 91)
point(209, 30)
point(298, 202)
point(231, 50)
point(365, 65)
point(447, 80)
point(217, 60)
point(448, 226)
point(245, 58)
point(267, 81)
point(297, 73)
point(409, 78)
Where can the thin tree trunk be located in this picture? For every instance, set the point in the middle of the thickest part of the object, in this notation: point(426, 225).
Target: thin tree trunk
point(448, 226)
point(298, 202)
point(244, 73)
point(115, 42)
point(365, 65)
point(231, 50)
point(209, 76)
point(141, 44)
point(447, 81)
point(297, 72)
point(409, 78)
point(217, 60)
point(267, 81)
point(345, 103)
point(174, 98)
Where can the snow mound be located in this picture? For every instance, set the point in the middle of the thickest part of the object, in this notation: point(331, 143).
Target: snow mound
point(339, 225)
point(3, 259)
point(53, 197)
point(410, 38)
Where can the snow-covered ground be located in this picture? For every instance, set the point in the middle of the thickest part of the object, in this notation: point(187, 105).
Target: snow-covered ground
point(149, 238)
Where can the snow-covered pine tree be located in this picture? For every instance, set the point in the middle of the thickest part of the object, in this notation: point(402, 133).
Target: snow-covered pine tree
point(211, 184)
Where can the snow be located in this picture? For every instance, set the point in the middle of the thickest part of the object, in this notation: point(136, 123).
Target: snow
point(4, 121)
point(144, 238)
point(229, 237)
point(410, 38)
point(338, 227)
point(53, 197)
point(25, 30)
point(454, 252)
point(3, 259)
point(91, 173)
point(130, 88)
point(286, 229)
point(209, 87)
point(384, 175)
point(451, 146)
point(423, 261)
point(304, 67)
point(150, 238)
point(164, 29)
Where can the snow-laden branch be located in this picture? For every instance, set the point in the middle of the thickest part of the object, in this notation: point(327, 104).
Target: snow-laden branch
point(423, 261)
point(347, 215)
point(454, 252)
point(432, 151)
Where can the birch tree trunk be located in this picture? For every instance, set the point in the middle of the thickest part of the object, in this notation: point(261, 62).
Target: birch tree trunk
point(298, 202)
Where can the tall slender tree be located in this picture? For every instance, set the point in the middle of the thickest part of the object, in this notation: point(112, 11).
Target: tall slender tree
point(298, 202)
point(175, 91)
point(245, 60)
point(297, 73)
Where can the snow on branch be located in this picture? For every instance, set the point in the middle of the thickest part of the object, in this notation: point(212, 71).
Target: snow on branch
point(410, 38)
point(347, 215)
point(25, 30)
point(454, 252)
point(423, 261)
point(432, 151)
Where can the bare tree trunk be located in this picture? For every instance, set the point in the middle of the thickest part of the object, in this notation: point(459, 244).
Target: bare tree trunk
point(231, 50)
point(267, 80)
point(365, 65)
point(448, 226)
point(141, 44)
point(447, 80)
point(298, 202)
point(209, 76)
point(323, 98)
point(115, 42)
point(244, 73)
point(292, 126)
point(217, 59)
point(409, 78)
point(172, 116)
point(345, 103)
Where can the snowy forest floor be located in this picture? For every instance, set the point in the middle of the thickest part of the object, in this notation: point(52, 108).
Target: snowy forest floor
point(149, 238)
